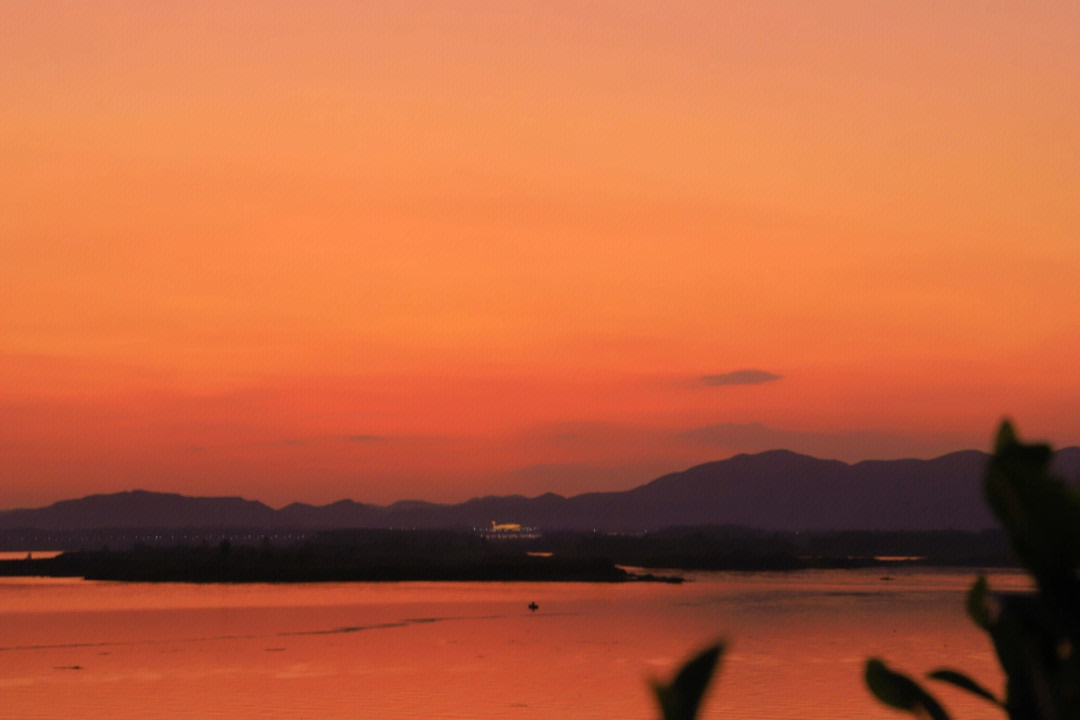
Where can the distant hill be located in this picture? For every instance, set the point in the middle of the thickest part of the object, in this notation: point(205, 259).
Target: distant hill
point(776, 490)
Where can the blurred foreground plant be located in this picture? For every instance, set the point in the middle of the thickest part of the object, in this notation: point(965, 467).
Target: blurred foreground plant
point(681, 699)
point(1036, 635)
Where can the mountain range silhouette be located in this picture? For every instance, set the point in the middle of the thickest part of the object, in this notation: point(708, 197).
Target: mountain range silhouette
point(775, 490)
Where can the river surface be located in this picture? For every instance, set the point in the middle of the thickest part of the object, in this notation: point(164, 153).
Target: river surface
point(797, 645)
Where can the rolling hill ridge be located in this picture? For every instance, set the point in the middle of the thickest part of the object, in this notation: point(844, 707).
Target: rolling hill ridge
point(775, 490)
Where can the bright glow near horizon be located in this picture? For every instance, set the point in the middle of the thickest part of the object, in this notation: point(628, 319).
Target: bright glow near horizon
point(403, 249)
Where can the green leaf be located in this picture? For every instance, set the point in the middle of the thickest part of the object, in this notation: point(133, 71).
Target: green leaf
point(901, 692)
point(680, 700)
point(977, 603)
point(963, 682)
point(1006, 436)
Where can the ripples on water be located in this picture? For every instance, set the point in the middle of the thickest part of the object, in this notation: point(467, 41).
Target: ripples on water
point(474, 650)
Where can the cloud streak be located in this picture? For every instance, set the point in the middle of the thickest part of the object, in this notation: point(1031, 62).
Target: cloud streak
point(323, 439)
point(740, 377)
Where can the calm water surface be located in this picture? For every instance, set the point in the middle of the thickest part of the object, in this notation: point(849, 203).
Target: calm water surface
point(76, 649)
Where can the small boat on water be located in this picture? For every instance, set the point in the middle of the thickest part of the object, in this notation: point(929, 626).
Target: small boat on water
point(533, 606)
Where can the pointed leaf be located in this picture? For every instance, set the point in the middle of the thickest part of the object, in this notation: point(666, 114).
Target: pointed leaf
point(901, 692)
point(680, 700)
point(1006, 436)
point(963, 682)
point(978, 599)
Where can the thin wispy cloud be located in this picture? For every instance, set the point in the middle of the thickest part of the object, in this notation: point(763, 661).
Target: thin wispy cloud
point(740, 377)
point(323, 439)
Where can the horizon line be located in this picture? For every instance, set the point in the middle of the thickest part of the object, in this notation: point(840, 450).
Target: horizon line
point(773, 451)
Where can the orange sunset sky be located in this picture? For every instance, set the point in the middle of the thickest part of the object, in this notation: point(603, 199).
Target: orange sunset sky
point(380, 250)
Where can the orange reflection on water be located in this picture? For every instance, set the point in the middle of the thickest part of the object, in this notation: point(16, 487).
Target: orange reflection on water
point(798, 642)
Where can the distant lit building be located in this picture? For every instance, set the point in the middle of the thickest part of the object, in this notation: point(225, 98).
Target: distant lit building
point(508, 531)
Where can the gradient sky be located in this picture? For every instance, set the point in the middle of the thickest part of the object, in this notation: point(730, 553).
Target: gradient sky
point(378, 250)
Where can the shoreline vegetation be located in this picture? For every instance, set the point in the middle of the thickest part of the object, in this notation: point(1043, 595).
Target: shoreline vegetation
point(382, 556)
point(373, 555)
